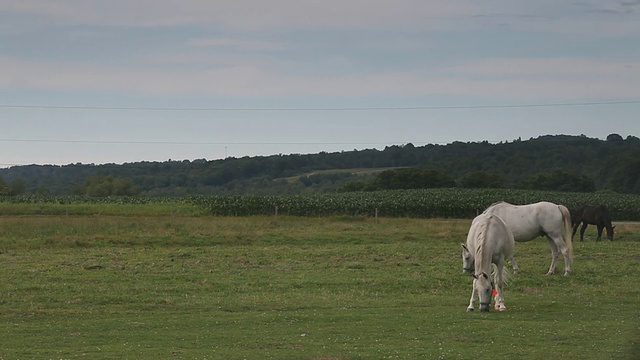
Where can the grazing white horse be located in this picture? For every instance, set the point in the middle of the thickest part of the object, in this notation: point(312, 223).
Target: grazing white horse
point(540, 219)
point(489, 242)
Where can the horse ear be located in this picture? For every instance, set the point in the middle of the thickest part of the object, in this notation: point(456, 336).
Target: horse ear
point(464, 246)
point(485, 275)
point(474, 276)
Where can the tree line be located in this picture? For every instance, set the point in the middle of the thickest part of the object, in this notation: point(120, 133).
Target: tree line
point(551, 162)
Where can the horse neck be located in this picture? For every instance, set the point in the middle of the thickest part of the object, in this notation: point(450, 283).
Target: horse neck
point(484, 253)
point(483, 262)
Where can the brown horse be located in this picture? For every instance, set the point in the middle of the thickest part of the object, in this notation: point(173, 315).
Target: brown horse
point(597, 215)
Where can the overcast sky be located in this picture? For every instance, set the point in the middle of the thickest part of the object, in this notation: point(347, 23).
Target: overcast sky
point(95, 81)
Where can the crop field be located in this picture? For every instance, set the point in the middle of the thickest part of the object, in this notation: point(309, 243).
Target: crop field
point(422, 203)
point(169, 281)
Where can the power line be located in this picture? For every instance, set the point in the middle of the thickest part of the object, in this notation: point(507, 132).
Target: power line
point(193, 142)
point(384, 108)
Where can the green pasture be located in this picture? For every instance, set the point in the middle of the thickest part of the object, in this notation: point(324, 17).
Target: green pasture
point(109, 285)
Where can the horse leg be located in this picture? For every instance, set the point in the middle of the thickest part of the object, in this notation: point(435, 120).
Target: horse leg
point(554, 256)
point(567, 258)
point(582, 229)
point(473, 295)
point(558, 245)
point(575, 229)
point(499, 280)
point(516, 269)
point(600, 228)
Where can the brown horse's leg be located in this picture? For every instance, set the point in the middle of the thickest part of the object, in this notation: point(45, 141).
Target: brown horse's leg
point(582, 229)
point(600, 228)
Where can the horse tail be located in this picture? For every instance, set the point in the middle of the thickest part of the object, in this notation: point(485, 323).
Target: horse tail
point(506, 278)
point(567, 228)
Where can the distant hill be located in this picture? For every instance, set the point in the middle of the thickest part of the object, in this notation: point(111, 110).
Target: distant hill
point(612, 164)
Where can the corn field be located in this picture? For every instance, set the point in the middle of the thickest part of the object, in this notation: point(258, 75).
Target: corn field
point(425, 203)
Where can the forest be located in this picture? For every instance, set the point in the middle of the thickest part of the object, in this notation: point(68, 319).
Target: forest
point(550, 162)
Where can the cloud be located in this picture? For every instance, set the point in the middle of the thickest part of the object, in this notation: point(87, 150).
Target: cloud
point(616, 7)
point(240, 44)
point(520, 79)
point(277, 15)
point(578, 18)
point(545, 67)
point(347, 48)
point(244, 14)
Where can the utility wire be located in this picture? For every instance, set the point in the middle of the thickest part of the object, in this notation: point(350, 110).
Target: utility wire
point(389, 108)
point(194, 143)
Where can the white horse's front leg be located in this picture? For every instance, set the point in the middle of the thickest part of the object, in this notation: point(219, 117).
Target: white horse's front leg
point(500, 288)
point(473, 295)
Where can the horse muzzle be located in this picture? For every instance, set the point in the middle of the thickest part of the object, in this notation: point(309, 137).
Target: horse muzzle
point(484, 307)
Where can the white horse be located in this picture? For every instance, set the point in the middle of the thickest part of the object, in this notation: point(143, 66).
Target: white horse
point(489, 242)
point(540, 219)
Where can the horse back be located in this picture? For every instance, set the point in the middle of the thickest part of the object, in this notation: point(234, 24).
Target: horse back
point(491, 233)
point(594, 215)
point(530, 221)
point(505, 240)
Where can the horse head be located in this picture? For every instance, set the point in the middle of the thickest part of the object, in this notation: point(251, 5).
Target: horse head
point(610, 232)
point(484, 287)
point(468, 261)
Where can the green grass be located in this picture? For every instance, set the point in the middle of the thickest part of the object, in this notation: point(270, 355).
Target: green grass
point(175, 208)
point(299, 288)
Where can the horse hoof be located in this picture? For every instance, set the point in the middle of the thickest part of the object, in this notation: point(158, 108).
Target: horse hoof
point(469, 309)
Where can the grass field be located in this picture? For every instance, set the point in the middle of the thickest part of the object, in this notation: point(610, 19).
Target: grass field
point(201, 287)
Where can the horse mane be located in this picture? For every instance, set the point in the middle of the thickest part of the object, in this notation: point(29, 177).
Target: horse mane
point(497, 202)
point(480, 240)
point(484, 253)
point(494, 204)
point(605, 214)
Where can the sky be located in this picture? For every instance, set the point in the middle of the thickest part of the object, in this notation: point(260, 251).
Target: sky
point(120, 81)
